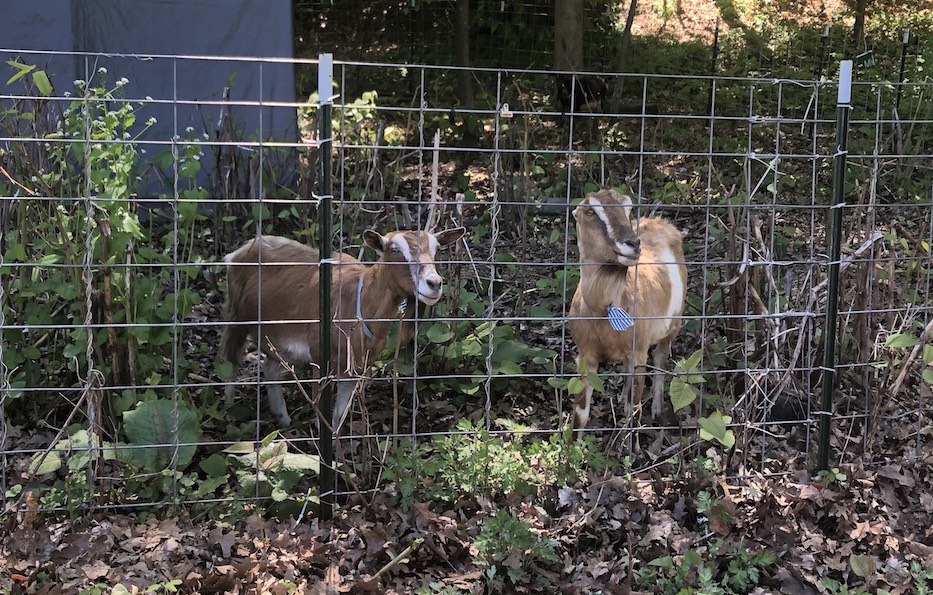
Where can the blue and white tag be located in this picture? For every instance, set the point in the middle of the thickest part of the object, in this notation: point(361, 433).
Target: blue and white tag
point(403, 306)
point(619, 319)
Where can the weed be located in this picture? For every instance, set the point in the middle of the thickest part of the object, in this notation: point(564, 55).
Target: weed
point(474, 463)
point(834, 587)
point(921, 577)
point(828, 477)
point(90, 150)
point(458, 354)
point(437, 589)
point(715, 570)
point(507, 545)
point(271, 471)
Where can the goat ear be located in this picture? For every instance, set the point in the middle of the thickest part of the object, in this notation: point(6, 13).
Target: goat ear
point(449, 236)
point(375, 241)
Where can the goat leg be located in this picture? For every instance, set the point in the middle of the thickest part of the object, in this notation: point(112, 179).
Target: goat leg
point(581, 411)
point(639, 369)
point(345, 390)
point(662, 353)
point(272, 370)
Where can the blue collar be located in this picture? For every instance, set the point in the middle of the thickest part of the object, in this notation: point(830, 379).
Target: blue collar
point(359, 311)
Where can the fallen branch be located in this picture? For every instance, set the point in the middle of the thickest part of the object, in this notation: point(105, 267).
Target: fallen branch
point(372, 583)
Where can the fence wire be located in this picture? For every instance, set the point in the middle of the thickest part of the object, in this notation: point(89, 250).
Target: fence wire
point(113, 277)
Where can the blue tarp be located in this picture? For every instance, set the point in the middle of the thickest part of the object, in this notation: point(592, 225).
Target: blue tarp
point(126, 30)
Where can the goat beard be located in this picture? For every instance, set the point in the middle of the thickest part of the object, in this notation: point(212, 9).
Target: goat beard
point(603, 286)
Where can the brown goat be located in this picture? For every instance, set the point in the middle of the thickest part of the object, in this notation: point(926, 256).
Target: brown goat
point(279, 302)
point(643, 274)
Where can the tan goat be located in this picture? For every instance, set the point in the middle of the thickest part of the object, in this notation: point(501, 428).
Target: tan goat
point(365, 299)
point(636, 278)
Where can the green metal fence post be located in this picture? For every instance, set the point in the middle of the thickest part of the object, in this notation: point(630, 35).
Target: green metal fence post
point(843, 105)
point(325, 244)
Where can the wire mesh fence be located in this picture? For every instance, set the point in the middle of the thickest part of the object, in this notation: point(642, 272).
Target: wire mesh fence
point(114, 278)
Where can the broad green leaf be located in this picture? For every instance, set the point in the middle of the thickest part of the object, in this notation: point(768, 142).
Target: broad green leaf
point(928, 375)
point(596, 381)
point(575, 385)
point(693, 362)
point(714, 428)
point(512, 351)
point(209, 486)
point(471, 387)
point(43, 84)
point(240, 448)
point(214, 465)
point(900, 341)
point(129, 222)
point(40, 465)
point(509, 369)
point(545, 358)
point(439, 333)
point(664, 562)
point(122, 402)
point(296, 461)
point(683, 394)
point(159, 425)
point(558, 383)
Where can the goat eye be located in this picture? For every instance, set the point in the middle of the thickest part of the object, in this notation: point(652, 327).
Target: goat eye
point(590, 212)
point(394, 249)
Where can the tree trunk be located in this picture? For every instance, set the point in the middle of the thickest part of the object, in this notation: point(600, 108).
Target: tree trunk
point(568, 35)
point(858, 30)
point(462, 54)
point(616, 99)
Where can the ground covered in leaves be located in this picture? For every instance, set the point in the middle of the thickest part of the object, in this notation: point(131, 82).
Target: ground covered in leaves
point(871, 528)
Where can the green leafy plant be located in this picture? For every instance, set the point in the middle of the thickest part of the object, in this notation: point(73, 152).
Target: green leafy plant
point(576, 384)
point(909, 340)
point(458, 351)
point(715, 569)
point(473, 462)
point(64, 266)
point(715, 426)
point(158, 425)
point(683, 391)
point(39, 77)
point(270, 470)
point(835, 587)
point(438, 589)
point(171, 586)
point(829, 477)
point(507, 546)
point(922, 578)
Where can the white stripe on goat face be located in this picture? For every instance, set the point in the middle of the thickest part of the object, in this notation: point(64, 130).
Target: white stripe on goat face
point(621, 249)
point(421, 266)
